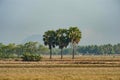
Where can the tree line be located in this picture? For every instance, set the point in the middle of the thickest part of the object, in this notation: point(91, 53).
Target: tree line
point(17, 50)
point(99, 50)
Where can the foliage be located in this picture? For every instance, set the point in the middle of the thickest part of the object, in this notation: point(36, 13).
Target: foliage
point(7, 56)
point(106, 49)
point(62, 39)
point(31, 57)
point(49, 39)
point(16, 51)
point(31, 47)
point(43, 50)
point(19, 50)
point(74, 36)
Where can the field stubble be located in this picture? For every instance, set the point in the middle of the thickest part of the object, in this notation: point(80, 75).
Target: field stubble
point(83, 68)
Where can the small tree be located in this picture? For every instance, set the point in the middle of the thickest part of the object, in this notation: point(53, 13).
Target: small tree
point(31, 47)
point(49, 39)
point(74, 36)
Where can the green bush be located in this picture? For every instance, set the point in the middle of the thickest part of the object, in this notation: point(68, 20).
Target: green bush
point(31, 57)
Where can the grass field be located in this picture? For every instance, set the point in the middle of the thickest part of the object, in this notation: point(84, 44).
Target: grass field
point(81, 68)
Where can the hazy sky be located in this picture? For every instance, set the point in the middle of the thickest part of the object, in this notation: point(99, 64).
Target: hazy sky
point(99, 20)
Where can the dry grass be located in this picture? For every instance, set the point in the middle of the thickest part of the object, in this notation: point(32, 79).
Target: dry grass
point(60, 73)
point(81, 68)
point(85, 57)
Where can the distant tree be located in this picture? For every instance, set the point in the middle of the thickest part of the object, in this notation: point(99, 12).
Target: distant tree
point(49, 39)
point(20, 49)
point(74, 36)
point(11, 48)
point(8, 50)
point(30, 47)
point(62, 39)
point(42, 49)
point(1, 45)
point(117, 48)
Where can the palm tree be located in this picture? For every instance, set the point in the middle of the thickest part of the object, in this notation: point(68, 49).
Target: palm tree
point(62, 39)
point(49, 39)
point(74, 36)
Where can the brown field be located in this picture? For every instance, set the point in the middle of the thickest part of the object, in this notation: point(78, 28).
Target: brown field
point(81, 68)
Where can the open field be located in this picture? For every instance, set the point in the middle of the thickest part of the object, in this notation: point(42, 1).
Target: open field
point(60, 73)
point(81, 68)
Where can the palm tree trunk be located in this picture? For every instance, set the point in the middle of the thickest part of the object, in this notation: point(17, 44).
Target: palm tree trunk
point(73, 53)
point(61, 53)
point(50, 53)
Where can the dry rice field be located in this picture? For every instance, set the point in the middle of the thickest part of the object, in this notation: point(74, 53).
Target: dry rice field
point(81, 68)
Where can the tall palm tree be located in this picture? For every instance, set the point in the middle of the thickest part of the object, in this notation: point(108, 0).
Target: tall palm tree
point(74, 36)
point(62, 39)
point(49, 39)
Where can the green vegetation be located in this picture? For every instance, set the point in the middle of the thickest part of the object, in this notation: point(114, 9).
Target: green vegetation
point(8, 51)
point(31, 57)
point(18, 51)
point(62, 38)
point(75, 36)
point(107, 49)
point(49, 39)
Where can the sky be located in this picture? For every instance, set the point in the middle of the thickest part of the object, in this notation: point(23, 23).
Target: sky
point(98, 20)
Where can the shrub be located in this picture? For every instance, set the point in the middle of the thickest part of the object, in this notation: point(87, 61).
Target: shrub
point(31, 57)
